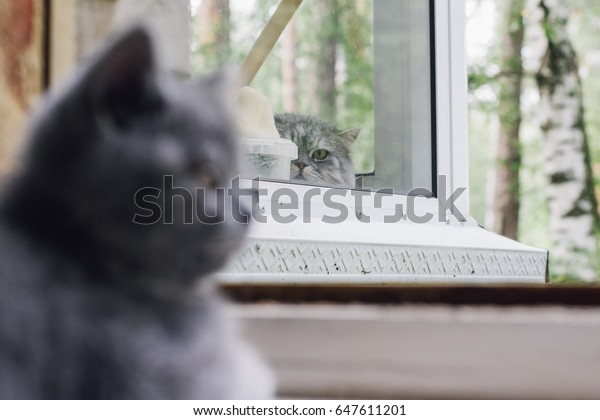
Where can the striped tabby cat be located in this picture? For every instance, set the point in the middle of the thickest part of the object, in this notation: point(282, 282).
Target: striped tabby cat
point(323, 150)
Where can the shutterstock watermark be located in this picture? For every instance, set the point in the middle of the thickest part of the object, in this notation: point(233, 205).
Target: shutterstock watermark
point(158, 205)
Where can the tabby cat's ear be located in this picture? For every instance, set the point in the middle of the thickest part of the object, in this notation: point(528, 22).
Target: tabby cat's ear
point(122, 81)
point(350, 135)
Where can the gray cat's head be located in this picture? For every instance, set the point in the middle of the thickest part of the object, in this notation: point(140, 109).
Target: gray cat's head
point(323, 150)
point(120, 127)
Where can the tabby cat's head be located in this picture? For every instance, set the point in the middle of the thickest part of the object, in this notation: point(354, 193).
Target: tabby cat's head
point(323, 150)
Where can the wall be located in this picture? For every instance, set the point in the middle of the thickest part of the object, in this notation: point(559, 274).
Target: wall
point(21, 71)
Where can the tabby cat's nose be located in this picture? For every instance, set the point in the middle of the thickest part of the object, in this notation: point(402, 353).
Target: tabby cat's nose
point(300, 165)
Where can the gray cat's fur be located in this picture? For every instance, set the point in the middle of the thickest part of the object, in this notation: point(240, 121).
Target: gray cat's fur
point(91, 304)
point(310, 134)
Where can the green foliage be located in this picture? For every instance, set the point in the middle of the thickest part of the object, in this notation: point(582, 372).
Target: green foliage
point(478, 77)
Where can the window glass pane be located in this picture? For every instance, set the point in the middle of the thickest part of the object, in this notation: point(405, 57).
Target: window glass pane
point(357, 64)
point(403, 146)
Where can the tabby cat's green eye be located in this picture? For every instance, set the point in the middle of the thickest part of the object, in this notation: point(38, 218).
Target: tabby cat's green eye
point(320, 154)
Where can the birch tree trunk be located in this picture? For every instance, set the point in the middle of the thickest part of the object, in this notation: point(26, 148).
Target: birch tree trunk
point(506, 196)
point(570, 192)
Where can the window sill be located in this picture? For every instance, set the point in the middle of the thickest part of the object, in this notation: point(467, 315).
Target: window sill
point(309, 250)
point(429, 351)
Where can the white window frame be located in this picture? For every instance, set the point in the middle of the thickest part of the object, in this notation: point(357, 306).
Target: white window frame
point(445, 249)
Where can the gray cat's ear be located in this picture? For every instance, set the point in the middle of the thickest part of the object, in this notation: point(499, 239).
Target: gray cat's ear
point(350, 135)
point(122, 80)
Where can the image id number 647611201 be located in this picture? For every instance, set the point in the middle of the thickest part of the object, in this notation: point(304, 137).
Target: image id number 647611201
point(370, 410)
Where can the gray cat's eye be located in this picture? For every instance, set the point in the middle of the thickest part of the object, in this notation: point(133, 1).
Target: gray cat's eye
point(320, 154)
point(207, 179)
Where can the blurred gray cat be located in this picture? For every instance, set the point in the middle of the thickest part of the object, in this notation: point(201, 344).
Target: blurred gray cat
point(323, 150)
point(93, 305)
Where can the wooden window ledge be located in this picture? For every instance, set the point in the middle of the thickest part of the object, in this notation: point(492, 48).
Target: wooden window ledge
point(428, 351)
